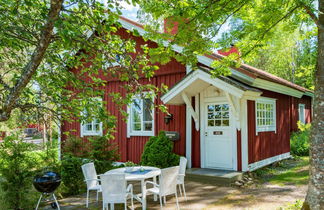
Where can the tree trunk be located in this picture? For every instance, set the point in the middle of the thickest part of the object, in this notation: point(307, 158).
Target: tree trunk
point(315, 194)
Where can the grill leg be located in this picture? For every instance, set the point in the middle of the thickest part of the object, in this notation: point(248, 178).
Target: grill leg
point(58, 206)
point(39, 200)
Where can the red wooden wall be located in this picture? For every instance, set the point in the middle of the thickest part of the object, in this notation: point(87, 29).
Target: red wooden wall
point(132, 148)
point(269, 144)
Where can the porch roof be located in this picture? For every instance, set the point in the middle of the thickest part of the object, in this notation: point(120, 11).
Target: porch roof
point(198, 80)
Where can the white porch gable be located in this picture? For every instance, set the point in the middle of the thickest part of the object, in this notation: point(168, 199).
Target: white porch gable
point(195, 82)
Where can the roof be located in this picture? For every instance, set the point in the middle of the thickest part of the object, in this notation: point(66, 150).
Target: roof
point(244, 69)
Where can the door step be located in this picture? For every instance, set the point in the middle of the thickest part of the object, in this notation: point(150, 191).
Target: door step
point(216, 176)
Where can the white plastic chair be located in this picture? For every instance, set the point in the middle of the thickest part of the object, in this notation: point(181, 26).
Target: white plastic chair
point(114, 190)
point(167, 184)
point(181, 176)
point(91, 178)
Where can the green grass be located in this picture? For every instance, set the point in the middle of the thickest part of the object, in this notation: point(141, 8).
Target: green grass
point(287, 172)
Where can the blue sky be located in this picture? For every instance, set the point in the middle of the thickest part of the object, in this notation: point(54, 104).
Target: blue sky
point(129, 11)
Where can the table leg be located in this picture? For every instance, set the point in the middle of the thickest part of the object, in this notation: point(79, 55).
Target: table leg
point(112, 206)
point(143, 195)
point(155, 196)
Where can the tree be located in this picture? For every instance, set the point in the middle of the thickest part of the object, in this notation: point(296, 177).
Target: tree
point(50, 48)
point(255, 23)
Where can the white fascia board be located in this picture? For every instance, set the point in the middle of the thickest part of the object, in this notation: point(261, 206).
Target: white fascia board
point(275, 87)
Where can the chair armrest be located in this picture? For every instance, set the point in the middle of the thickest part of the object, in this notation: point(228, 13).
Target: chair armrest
point(91, 180)
point(149, 182)
point(130, 188)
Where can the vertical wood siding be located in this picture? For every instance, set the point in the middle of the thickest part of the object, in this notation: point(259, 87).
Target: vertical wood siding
point(268, 144)
point(132, 148)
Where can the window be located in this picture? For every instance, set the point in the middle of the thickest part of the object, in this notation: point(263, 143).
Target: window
point(141, 117)
point(265, 115)
point(93, 127)
point(218, 115)
point(301, 113)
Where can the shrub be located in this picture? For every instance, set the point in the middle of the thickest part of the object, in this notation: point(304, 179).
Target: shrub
point(99, 151)
point(17, 169)
point(71, 174)
point(158, 152)
point(299, 141)
point(103, 153)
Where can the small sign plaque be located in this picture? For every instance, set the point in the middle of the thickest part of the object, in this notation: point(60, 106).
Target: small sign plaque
point(218, 132)
point(172, 135)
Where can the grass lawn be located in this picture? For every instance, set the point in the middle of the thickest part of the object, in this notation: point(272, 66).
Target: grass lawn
point(287, 172)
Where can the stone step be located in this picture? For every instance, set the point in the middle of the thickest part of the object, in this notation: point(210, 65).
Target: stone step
point(215, 176)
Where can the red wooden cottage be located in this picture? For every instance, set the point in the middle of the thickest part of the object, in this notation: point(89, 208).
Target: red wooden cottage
point(240, 122)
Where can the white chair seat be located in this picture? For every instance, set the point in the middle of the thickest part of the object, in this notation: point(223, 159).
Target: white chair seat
point(179, 181)
point(98, 187)
point(154, 190)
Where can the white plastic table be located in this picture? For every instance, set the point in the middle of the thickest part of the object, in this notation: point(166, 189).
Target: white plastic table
point(137, 176)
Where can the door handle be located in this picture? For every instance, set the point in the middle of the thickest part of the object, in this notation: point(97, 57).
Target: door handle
point(206, 133)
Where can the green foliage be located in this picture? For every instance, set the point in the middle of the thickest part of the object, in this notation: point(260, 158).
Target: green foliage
point(77, 152)
point(74, 145)
point(17, 168)
point(286, 172)
point(71, 174)
point(299, 141)
point(158, 152)
point(293, 206)
point(103, 153)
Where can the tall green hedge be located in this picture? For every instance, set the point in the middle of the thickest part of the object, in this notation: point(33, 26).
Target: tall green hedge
point(299, 141)
point(158, 152)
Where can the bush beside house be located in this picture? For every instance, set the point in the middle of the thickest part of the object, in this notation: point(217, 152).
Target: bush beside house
point(158, 152)
point(299, 141)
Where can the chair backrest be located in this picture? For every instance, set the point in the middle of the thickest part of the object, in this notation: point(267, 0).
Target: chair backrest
point(168, 180)
point(182, 168)
point(90, 174)
point(183, 165)
point(113, 188)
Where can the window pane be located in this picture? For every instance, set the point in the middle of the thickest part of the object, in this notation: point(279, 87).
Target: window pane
point(218, 123)
point(218, 115)
point(225, 107)
point(225, 122)
point(225, 115)
point(89, 126)
point(136, 111)
point(148, 112)
point(210, 108)
point(148, 126)
point(211, 123)
point(97, 127)
point(218, 107)
point(210, 115)
point(137, 126)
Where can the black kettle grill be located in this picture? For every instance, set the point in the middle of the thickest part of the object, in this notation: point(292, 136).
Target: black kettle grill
point(47, 183)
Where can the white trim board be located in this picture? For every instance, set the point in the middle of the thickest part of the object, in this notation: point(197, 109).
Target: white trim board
point(199, 74)
point(262, 163)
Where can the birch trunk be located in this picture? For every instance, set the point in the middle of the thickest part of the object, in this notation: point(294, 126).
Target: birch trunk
point(315, 194)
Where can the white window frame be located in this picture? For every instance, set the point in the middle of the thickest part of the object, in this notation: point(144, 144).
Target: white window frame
point(301, 106)
point(130, 131)
point(265, 128)
point(84, 132)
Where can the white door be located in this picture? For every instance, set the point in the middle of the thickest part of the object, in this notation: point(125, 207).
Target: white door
point(218, 136)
